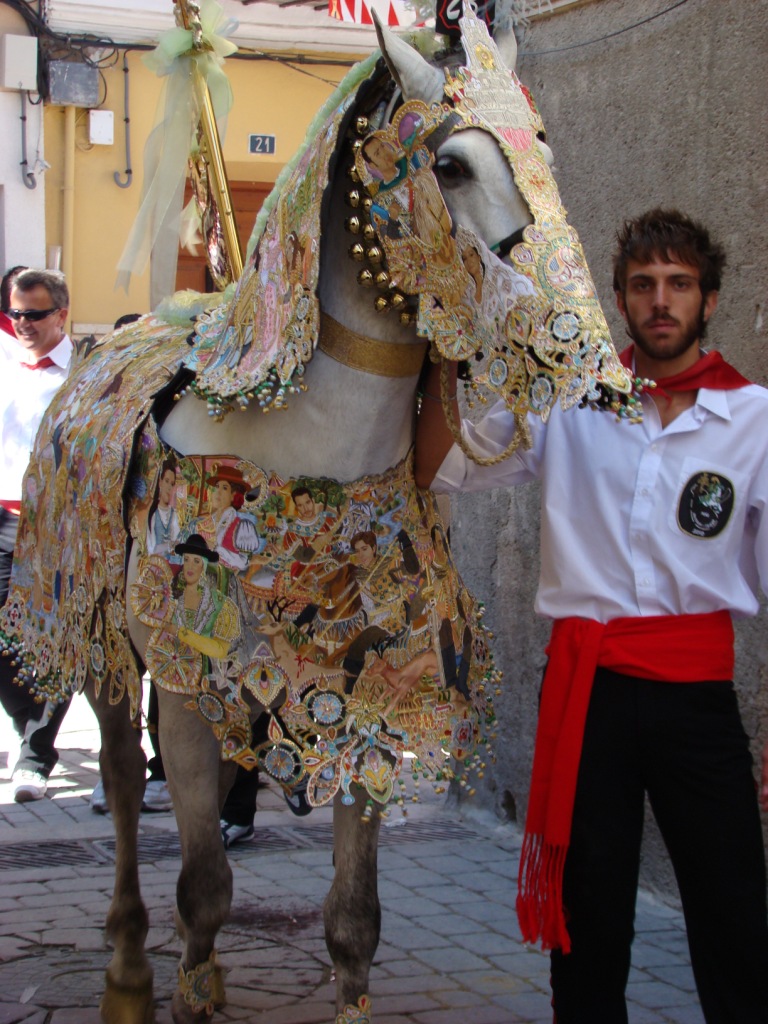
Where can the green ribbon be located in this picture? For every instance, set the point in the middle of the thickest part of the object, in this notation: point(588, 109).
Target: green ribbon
point(156, 228)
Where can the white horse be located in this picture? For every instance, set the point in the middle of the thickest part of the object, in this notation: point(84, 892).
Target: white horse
point(355, 422)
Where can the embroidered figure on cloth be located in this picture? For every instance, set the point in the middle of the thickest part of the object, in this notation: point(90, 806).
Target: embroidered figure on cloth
point(327, 604)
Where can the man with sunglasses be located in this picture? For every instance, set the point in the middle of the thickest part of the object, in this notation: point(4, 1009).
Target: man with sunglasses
point(32, 368)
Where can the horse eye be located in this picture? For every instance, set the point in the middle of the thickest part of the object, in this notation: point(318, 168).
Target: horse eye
point(451, 171)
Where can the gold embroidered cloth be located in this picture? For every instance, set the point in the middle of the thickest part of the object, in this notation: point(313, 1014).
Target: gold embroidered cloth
point(333, 608)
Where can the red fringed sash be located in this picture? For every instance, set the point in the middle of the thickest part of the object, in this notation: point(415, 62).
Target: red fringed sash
point(666, 648)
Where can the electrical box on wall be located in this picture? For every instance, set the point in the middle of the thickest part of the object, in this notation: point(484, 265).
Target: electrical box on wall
point(101, 127)
point(73, 85)
point(18, 63)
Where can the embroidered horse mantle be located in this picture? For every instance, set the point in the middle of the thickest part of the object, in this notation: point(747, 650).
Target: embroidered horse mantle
point(334, 607)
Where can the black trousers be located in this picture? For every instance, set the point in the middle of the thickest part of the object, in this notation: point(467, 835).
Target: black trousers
point(684, 745)
point(37, 724)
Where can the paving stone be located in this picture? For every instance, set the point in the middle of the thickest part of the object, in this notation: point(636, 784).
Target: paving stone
point(450, 951)
point(414, 907)
point(404, 1003)
point(77, 1015)
point(11, 947)
point(424, 982)
point(14, 1013)
point(657, 996)
point(479, 1014)
point(690, 1014)
point(530, 1005)
point(680, 975)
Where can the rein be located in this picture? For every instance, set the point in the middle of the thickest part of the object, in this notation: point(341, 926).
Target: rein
point(521, 436)
point(383, 358)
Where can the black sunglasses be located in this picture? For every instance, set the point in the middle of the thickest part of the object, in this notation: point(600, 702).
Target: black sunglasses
point(33, 315)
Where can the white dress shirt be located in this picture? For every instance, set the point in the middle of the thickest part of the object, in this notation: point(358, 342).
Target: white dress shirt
point(25, 397)
point(636, 519)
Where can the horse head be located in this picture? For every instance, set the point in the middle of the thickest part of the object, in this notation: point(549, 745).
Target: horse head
point(440, 175)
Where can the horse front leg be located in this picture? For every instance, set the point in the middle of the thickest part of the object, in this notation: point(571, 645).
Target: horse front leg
point(191, 757)
point(352, 912)
point(128, 994)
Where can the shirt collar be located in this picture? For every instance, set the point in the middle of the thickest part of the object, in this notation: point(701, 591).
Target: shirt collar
point(708, 399)
point(713, 401)
point(60, 354)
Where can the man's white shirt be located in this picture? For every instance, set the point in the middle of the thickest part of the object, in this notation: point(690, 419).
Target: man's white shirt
point(636, 519)
point(26, 395)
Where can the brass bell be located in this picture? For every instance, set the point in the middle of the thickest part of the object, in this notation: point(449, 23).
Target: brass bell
point(357, 252)
point(406, 317)
point(354, 199)
point(374, 254)
point(361, 125)
point(367, 203)
point(352, 173)
point(398, 300)
point(357, 145)
point(369, 232)
point(381, 305)
point(352, 224)
point(382, 279)
point(365, 277)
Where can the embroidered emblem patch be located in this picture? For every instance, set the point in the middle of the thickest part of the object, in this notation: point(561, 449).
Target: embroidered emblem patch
point(706, 504)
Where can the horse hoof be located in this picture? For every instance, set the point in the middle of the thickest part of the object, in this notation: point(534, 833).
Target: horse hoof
point(122, 1004)
point(182, 1012)
point(356, 1013)
point(200, 991)
point(218, 995)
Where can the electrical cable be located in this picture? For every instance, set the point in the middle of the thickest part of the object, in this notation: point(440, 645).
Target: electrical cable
point(608, 35)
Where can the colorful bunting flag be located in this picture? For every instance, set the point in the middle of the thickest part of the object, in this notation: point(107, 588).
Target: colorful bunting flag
point(359, 11)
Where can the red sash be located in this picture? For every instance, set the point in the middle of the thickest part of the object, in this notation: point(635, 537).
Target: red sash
point(665, 648)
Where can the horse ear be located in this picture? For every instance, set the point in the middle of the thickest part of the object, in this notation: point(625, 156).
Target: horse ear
point(417, 79)
point(507, 44)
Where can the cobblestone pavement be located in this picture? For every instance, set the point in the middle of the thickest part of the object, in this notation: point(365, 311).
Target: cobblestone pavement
point(450, 950)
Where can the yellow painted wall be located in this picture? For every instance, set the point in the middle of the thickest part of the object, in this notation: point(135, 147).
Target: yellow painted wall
point(269, 98)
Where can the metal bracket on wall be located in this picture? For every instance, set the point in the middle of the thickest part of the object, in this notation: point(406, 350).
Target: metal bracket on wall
point(27, 176)
point(127, 120)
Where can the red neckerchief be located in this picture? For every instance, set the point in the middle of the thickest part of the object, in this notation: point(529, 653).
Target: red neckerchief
point(41, 364)
point(667, 648)
point(711, 371)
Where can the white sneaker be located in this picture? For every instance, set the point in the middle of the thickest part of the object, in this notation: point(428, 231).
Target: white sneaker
point(231, 833)
point(156, 796)
point(99, 803)
point(28, 785)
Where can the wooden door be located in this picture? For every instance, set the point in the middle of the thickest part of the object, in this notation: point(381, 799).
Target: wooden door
point(247, 198)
